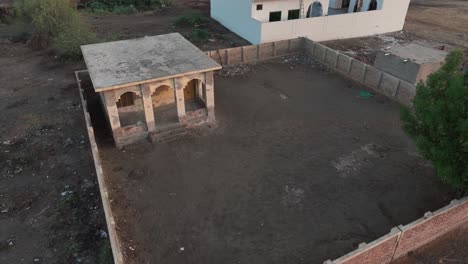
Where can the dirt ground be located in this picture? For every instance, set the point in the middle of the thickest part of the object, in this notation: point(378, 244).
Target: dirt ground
point(429, 22)
point(300, 169)
point(162, 21)
point(49, 201)
point(50, 210)
point(450, 248)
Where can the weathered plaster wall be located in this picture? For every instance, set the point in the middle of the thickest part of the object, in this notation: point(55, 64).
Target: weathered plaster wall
point(163, 95)
point(390, 18)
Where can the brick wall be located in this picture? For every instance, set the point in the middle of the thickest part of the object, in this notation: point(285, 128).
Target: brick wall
point(403, 239)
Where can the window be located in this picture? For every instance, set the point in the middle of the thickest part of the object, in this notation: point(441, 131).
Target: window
point(259, 7)
point(275, 16)
point(126, 99)
point(373, 5)
point(293, 14)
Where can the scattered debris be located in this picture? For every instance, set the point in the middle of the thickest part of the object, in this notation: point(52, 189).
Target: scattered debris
point(235, 70)
point(366, 94)
point(305, 60)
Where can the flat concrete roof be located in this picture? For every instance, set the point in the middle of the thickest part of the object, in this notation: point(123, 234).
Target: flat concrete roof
point(122, 63)
point(418, 53)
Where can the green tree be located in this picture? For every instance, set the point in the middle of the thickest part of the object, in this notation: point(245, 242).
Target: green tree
point(438, 121)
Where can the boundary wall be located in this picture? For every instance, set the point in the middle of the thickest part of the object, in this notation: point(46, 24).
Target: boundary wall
point(111, 228)
point(367, 75)
point(403, 239)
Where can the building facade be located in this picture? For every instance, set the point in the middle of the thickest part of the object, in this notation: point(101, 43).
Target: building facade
point(261, 21)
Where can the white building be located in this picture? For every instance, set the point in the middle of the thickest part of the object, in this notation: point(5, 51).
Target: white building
point(261, 21)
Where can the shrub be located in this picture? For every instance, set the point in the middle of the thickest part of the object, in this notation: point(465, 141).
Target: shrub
point(122, 10)
point(199, 34)
point(56, 23)
point(439, 121)
point(190, 19)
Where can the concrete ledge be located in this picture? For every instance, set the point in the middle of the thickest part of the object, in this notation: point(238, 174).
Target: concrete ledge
point(111, 228)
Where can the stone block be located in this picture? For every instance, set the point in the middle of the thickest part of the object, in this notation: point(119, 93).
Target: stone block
point(309, 47)
point(330, 57)
point(389, 85)
point(357, 70)
point(372, 77)
point(319, 51)
point(265, 51)
point(282, 47)
point(250, 54)
point(234, 56)
point(344, 63)
point(295, 45)
point(406, 93)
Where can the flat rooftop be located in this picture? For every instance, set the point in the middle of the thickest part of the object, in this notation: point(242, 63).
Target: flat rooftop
point(135, 61)
point(300, 169)
point(418, 53)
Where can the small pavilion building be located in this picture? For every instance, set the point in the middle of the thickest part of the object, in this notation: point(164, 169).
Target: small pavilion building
point(151, 85)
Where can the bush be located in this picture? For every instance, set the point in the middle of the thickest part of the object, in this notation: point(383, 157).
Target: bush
point(439, 121)
point(56, 23)
point(199, 34)
point(125, 6)
point(190, 19)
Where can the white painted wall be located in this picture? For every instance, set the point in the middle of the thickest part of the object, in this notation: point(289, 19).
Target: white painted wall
point(391, 18)
point(284, 6)
point(237, 16)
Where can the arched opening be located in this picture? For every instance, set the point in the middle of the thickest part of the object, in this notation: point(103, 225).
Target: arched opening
point(164, 105)
point(373, 5)
point(194, 95)
point(131, 111)
point(315, 10)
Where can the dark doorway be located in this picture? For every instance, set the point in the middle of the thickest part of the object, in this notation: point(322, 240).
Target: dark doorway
point(373, 5)
point(345, 4)
point(275, 16)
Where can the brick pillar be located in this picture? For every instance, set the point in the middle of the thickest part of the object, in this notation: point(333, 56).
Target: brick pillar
point(210, 104)
point(112, 111)
point(148, 107)
point(179, 96)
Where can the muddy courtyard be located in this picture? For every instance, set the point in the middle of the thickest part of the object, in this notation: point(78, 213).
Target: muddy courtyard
point(300, 169)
